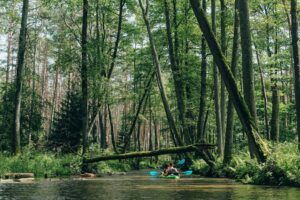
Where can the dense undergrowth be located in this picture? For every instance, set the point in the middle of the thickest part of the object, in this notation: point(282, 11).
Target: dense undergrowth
point(281, 168)
point(62, 165)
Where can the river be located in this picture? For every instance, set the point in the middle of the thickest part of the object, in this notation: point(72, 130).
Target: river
point(141, 186)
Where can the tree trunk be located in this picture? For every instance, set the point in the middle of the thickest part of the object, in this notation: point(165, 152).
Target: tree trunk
point(216, 87)
point(114, 56)
point(84, 78)
point(169, 116)
point(275, 114)
point(179, 90)
point(16, 145)
point(264, 94)
point(247, 67)
point(246, 45)
point(230, 108)
point(139, 108)
point(202, 105)
point(223, 48)
point(295, 39)
point(261, 150)
point(173, 150)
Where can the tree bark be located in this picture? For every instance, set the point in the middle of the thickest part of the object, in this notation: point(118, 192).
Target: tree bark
point(202, 105)
point(275, 114)
point(173, 150)
point(16, 144)
point(84, 78)
point(216, 86)
point(179, 90)
point(223, 48)
point(246, 46)
point(261, 150)
point(159, 78)
point(295, 40)
point(139, 108)
point(264, 94)
point(230, 108)
point(114, 56)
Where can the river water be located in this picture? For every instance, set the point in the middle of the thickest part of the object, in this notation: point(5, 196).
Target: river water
point(141, 186)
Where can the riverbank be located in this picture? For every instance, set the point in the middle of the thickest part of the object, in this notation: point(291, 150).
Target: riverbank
point(281, 169)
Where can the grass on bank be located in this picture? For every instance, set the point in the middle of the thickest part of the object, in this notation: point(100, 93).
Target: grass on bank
point(281, 168)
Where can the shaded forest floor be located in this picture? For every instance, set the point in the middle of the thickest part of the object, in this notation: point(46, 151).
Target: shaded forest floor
point(282, 168)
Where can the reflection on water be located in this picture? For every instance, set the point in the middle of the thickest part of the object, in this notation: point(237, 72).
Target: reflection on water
point(135, 186)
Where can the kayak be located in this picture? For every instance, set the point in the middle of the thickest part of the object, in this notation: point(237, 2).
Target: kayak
point(170, 176)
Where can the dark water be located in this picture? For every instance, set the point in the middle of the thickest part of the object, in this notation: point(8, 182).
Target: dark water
point(136, 186)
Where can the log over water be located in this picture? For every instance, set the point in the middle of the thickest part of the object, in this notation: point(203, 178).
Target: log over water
point(174, 150)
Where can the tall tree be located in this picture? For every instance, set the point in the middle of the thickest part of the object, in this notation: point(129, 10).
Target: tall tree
point(261, 150)
point(275, 114)
point(169, 115)
point(247, 66)
point(230, 108)
point(202, 106)
point(84, 78)
point(246, 45)
point(16, 146)
point(216, 87)
point(295, 40)
point(223, 48)
point(178, 83)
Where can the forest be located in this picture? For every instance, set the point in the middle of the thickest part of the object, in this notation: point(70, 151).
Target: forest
point(143, 82)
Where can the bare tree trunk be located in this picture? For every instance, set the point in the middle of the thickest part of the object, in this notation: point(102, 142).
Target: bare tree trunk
point(84, 78)
point(264, 94)
point(114, 56)
point(8, 61)
point(248, 72)
point(295, 40)
point(246, 45)
point(202, 105)
point(261, 150)
point(54, 99)
point(230, 108)
point(216, 87)
point(223, 48)
point(170, 118)
point(16, 144)
point(112, 129)
point(275, 114)
point(178, 84)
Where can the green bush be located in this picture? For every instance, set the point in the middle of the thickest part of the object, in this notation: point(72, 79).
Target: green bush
point(41, 164)
point(281, 168)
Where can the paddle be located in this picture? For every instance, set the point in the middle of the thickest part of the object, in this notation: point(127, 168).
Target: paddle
point(155, 173)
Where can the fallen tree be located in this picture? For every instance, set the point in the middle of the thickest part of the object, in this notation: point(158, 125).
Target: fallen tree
point(173, 150)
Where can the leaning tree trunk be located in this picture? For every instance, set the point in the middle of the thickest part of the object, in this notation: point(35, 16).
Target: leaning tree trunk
point(295, 40)
point(261, 150)
point(16, 146)
point(169, 116)
point(230, 108)
point(84, 81)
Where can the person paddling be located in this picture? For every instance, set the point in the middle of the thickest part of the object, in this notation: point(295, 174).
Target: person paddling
point(172, 170)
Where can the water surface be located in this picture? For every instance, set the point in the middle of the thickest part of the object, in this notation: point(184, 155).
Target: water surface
point(141, 186)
